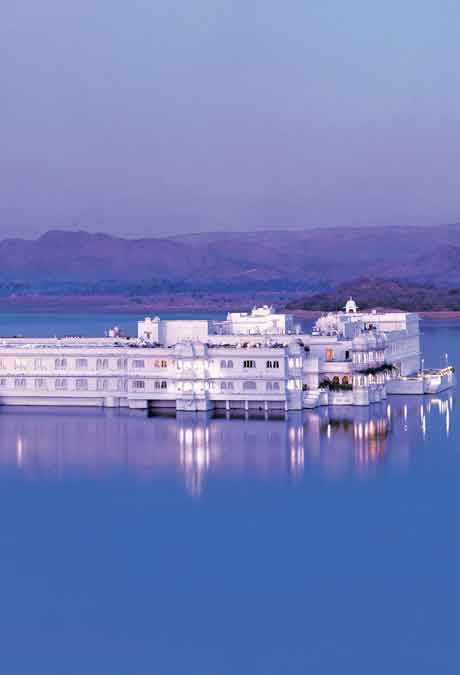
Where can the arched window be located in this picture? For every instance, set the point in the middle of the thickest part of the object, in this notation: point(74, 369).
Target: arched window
point(249, 386)
point(223, 363)
point(347, 355)
point(345, 379)
point(60, 384)
point(335, 380)
point(276, 386)
point(329, 354)
point(223, 386)
point(268, 386)
point(249, 364)
point(269, 364)
point(164, 384)
point(276, 364)
point(230, 364)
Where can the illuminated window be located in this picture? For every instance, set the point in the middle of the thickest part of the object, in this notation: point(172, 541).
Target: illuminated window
point(329, 354)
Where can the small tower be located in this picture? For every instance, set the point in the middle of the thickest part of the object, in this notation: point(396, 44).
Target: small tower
point(351, 307)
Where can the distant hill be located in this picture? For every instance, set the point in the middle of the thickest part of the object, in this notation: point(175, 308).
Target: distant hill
point(311, 259)
point(383, 293)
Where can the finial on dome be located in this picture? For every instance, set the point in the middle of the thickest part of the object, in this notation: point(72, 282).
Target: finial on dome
point(351, 307)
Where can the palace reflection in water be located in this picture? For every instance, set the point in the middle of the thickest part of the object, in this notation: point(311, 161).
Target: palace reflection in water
point(333, 442)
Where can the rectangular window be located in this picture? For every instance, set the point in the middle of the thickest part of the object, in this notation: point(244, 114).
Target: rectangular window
point(2, 364)
point(82, 363)
point(40, 383)
point(249, 364)
point(3, 382)
point(138, 363)
point(138, 384)
point(102, 385)
point(81, 384)
point(329, 354)
point(249, 386)
point(38, 364)
point(60, 384)
point(121, 384)
point(20, 383)
point(20, 364)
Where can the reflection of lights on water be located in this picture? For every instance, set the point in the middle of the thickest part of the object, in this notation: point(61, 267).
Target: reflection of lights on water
point(296, 451)
point(328, 430)
point(297, 462)
point(389, 411)
point(195, 458)
point(19, 451)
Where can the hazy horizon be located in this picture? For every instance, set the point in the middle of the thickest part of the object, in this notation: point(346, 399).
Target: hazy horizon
point(150, 119)
point(165, 235)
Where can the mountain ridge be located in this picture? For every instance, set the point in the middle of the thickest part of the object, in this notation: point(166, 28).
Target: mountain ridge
point(309, 257)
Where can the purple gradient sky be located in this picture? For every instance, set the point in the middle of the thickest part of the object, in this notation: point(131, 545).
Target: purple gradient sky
point(147, 117)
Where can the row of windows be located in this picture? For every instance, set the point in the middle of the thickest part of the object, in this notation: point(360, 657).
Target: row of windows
point(62, 384)
point(249, 364)
point(82, 384)
point(80, 364)
point(250, 386)
point(365, 357)
point(139, 385)
point(121, 363)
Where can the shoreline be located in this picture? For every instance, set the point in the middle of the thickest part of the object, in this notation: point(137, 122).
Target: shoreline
point(180, 303)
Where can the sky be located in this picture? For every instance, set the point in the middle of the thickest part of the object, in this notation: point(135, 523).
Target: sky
point(148, 118)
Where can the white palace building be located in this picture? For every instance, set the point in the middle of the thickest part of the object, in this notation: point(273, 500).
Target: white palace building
point(251, 362)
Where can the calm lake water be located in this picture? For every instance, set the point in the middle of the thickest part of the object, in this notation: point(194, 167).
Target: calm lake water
point(327, 542)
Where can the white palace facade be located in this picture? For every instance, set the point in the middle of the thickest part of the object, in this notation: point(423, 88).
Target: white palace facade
point(255, 362)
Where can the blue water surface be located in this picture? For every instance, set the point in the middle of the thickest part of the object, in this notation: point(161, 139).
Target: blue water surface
point(325, 543)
